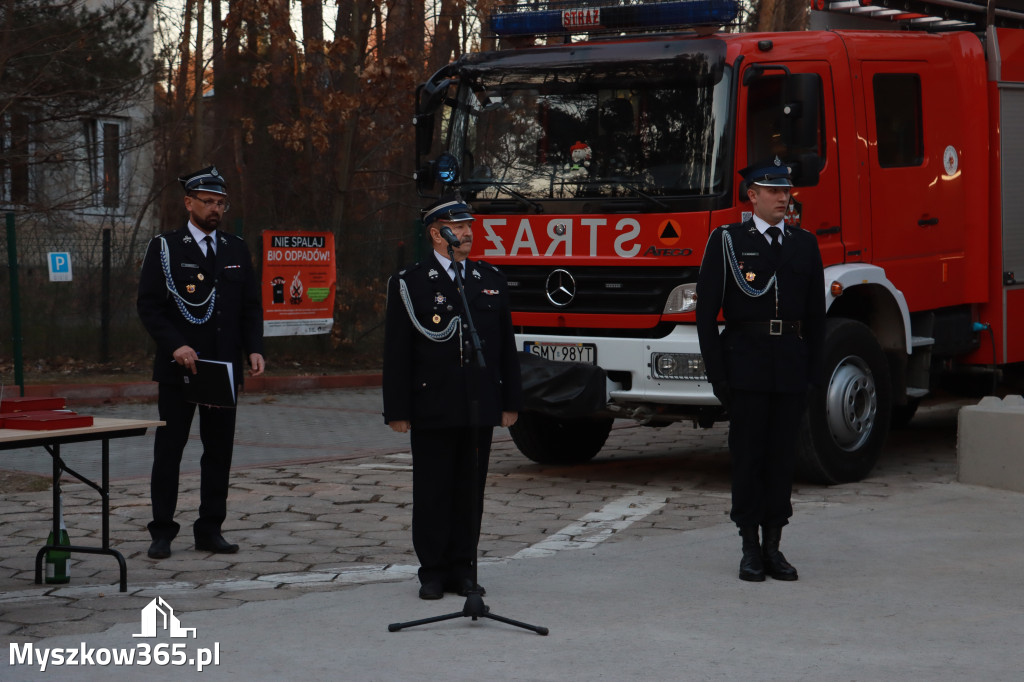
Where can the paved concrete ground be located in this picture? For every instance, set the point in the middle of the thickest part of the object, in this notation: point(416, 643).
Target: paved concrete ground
point(630, 561)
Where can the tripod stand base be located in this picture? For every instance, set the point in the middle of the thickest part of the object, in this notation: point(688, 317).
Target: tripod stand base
point(473, 608)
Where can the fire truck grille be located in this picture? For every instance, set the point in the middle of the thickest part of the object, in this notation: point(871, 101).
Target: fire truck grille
point(600, 290)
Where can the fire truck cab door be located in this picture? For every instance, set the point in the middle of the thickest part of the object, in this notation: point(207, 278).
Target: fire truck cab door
point(918, 196)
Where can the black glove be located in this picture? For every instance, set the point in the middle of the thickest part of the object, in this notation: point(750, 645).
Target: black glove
point(722, 392)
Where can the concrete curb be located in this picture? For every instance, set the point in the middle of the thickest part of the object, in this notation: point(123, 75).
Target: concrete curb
point(146, 391)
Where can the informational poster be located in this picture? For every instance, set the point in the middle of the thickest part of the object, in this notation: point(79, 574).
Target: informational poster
point(298, 283)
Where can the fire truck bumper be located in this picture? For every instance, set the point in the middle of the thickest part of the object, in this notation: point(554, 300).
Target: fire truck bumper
point(667, 372)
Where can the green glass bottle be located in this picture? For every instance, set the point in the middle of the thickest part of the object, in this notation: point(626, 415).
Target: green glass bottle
point(58, 561)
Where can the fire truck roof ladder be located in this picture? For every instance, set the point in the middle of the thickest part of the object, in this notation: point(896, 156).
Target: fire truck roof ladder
point(933, 15)
point(534, 18)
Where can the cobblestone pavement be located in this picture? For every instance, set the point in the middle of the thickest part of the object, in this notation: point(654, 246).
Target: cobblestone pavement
point(321, 500)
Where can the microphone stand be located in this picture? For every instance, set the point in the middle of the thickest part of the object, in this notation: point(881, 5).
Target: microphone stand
point(474, 607)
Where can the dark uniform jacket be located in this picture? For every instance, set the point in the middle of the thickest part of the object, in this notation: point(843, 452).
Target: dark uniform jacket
point(425, 382)
point(237, 321)
point(745, 356)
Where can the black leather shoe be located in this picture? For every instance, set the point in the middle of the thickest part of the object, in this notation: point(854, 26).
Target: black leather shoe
point(751, 568)
point(751, 565)
point(431, 590)
point(462, 586)
point(216, 544)
point(160, 549)
point(775, 563)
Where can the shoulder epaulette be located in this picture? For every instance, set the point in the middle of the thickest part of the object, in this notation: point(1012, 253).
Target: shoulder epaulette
point(409, 269)
point(492, 267)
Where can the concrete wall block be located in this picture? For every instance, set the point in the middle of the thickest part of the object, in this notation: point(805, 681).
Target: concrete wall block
point(990, 443)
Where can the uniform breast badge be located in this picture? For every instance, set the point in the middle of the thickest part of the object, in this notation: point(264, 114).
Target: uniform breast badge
point(491, 292)
point(751, 276)
point(476, 273)
point(432, 273)
point(439, 298)
point(190, 288)
point(436, 319)
point(200, 277)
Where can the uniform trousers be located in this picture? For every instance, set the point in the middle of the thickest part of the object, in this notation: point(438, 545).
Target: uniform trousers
point(445, 526)
point(763, 429)
point(217, 433)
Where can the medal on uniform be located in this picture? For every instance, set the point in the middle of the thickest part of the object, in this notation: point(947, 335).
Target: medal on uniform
point(751, 276)
point(190, 288)
point(436, 318)
point(200, 277)
point(439, 298)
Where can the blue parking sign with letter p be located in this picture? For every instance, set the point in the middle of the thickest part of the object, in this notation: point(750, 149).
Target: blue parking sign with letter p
point(60, 266)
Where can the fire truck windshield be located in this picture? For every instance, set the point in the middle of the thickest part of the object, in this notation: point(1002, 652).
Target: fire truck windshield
point(573, 130)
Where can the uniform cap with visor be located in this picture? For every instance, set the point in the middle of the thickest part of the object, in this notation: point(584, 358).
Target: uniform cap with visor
point(768, 174)
point(451, 211)
point(208, 179)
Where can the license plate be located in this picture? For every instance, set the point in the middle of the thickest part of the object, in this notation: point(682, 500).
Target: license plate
point(563, 352)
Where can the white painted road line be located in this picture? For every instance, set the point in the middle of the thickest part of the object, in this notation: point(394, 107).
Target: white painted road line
point(591, 530)
point(596, 527)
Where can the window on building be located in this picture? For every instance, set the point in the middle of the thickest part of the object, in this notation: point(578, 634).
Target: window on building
point(898, 122)
point(104, 154)
point(15, 148)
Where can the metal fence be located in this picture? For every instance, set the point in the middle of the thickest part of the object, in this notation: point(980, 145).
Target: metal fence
point(90, 318)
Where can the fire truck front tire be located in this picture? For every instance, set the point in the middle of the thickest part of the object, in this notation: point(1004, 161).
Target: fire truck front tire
point(553, 440)
point(848, 413)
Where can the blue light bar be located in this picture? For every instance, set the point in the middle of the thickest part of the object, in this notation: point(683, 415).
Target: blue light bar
point(568, 17)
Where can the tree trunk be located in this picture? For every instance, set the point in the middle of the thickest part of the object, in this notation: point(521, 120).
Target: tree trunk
point(198, 151)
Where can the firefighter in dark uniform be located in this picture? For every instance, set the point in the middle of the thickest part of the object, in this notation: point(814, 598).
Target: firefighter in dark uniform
point(766, 279)
point(430, 377)
point(198, 298)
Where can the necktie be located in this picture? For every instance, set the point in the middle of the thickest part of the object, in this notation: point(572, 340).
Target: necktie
point(776, 234)
point(210, 254)
point(461, 271)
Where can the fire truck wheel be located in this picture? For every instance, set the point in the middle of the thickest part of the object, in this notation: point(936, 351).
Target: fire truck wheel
point(551, 440)
point(848, 413)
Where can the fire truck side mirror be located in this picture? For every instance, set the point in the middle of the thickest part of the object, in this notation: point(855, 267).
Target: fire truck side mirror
point(806, 170)
point(425, 178)
point(801, 110)
point(424, 134)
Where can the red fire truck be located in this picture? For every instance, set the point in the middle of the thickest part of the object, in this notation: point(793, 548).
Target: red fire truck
point(598, 165)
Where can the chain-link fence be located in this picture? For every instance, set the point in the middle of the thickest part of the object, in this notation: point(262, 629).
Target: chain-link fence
point(92, 317)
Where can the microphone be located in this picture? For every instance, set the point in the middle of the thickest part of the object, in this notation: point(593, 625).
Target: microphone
point(449, 236)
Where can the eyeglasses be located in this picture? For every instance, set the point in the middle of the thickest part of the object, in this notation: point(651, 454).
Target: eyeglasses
point(223, 206)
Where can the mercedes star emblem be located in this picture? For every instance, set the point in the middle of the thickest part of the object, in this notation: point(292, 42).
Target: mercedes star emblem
point(560, 288)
